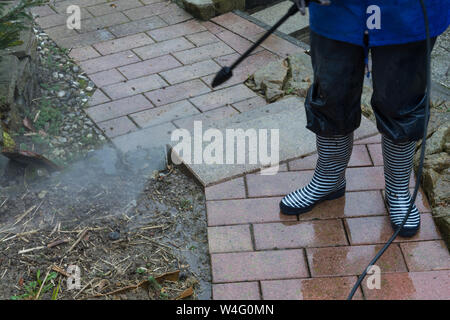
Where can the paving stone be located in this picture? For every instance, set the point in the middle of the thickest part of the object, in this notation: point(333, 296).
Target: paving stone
point(262, 265)
point(336, 288)
point(190, 72)
point(277, 45)
point(150, 10)
point(118, 108)
point(97, 98)
point(148, 67)
point(365, 178)
point(376, 154)
point(369, 140)
point(84, 53)
point(151, 152)
point(163, 48)
point(122, 44)
point(84, 39)
point(229, 239)
point(236, 291)
point(208, 51)
point(371, 230)
point(133, 27)
point(426, 255)
point(249, 104)
point(177, 92)
point(241, 211)
point(354, 204)
point(236, 42)
point(60, 19)
point(60, 32)
point(206, 117)
point(61, 6)
point(177, 30)
point(135, 86)
point(117, 127)
point(344, 261)
point(164, 114)
point(104, 78)
point(109, 62)
point(212, 27)
point(202, 38)
point(42, 11)
point(117, 5)
point(238, 25)
point(222, 97)
point(286, 235)
point(431, 285)
point(233, 189)
point(176, 15)
point(101, 22)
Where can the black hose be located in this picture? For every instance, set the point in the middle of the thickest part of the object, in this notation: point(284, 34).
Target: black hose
point(422, 154)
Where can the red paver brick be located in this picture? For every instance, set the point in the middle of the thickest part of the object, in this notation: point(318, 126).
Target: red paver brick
point(212, 27)
point(57, 19)
point(233, 189)
point(165, 113)
point(150, 10)
point(119, 5)
point(190, 72)
point(101, 22)
point(177, 30)
point(426, 255)
point(249, 104)
point(336, 288)
point(345, 261)
point(133, 27)
point(206, 117)
point(97, 98)
point(305, 163)
point(365, 178)
point(85, 39)
point(238, 25)
point(222, 97)
point(277, 45)
point(163, 48)
point(60, 32)
point(240, 211)
point(376, 154)
point(236, 42)
point(431, 285)
point(177, 92)
point(369, 140)
point(84, 53)
point(135, 86)
point(117, 127)
point(148, 67)
point(299, 234)
point(122, 44)
point(278, 185)
point(202, 38)
point(354, 204)
point(236, 291)
point(229, 239)
point(378, 230)
point(107, 77)
point(176, 15)
point(118, 108)
point(109, 62)
point(42, 11)
point(208, 51)
point(61, 6)
point(262, 265)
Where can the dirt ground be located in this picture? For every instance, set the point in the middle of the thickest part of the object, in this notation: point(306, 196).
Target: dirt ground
point(119, 223)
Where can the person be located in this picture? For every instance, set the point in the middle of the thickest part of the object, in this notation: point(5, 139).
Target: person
point(342, 36)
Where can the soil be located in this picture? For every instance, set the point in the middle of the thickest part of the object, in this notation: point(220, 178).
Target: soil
point(125, 224)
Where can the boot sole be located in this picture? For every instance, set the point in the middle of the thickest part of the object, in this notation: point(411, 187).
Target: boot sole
point(290, 211)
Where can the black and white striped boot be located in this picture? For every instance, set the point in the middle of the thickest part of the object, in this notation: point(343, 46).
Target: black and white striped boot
point(398, 162)
point(328, 182)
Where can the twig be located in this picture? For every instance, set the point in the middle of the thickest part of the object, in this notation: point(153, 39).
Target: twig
point(84, 288)
point(24, 215)
point(31, 249)
point(61, 271)
point(42, 285)
point(83, 233)
point(1, 205)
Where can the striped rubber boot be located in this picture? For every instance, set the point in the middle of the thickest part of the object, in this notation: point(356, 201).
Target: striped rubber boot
point(398, 161)
point(328, 182)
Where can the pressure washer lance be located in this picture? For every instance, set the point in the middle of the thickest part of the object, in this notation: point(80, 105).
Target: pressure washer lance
point(299, 5)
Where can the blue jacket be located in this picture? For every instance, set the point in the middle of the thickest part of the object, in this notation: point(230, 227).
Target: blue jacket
point(398, 21)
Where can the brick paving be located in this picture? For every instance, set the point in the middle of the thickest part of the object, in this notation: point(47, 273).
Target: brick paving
point(258, 253)
point(153, 65)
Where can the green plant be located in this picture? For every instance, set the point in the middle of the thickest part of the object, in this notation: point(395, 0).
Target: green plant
point(32, 288)
point(48, 114)
point(13, 20)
